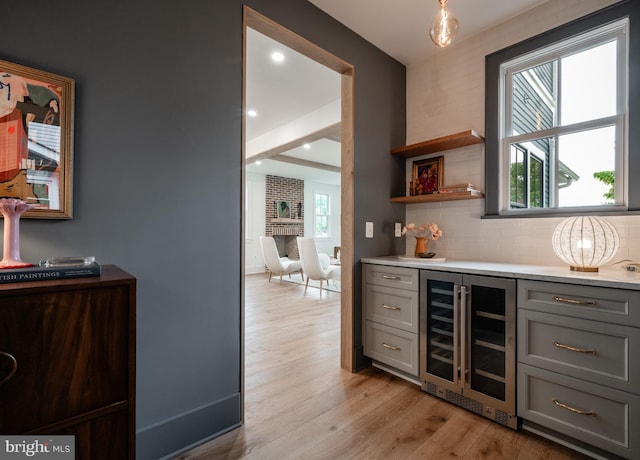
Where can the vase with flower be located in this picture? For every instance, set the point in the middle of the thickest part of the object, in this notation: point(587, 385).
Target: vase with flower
point(424, 234)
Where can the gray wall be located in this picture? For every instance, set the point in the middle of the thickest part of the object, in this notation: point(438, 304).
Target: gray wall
point(157, 177)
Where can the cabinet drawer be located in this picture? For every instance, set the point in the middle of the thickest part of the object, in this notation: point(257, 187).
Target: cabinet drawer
point(395, 277)
point(393, 307)
point(610, 419)
point(397, 348)
point(589, 302)
point(72, 353)
point(590, 350)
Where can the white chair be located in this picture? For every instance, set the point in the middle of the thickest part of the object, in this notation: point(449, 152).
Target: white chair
point(316, 266)
point(275, 263)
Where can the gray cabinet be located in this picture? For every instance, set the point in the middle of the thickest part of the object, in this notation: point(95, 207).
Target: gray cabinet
point(577, 373)
point(390, 318)
point(577, 336)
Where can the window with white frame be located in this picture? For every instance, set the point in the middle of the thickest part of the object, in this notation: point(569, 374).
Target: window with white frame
point(563, 124)
point(321, 214)
point(526, 179)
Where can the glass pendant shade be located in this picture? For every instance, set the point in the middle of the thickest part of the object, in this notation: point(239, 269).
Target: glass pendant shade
point(585, 242)
point(444, 27)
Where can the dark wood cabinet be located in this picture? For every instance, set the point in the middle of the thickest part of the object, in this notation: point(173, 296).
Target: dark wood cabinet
point(72, 345)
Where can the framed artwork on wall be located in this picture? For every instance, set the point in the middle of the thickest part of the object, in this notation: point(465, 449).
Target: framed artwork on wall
point(36, 139)
point(284, 209)
point(427, 176)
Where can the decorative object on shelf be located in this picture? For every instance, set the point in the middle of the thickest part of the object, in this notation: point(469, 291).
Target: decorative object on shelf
point(299, 210)
point(427, 176)
point(283, 209)
point(424, 234)
point(585, 242)
point(35, 104)
point(457, 188)
point(12, 209)
point(444, 27)
point(440, 144)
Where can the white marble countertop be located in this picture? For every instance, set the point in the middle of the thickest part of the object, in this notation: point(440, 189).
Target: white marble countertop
point(615, 277)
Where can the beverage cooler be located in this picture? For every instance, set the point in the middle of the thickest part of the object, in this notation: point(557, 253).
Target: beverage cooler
point(467, 342)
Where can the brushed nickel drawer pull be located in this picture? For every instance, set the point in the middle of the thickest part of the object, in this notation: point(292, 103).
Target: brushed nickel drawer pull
point(577, 350)
point(390, 277)
point(14, 366)
point(391, 347)
point(574, 301)
point(572, 409)
point(390, 307)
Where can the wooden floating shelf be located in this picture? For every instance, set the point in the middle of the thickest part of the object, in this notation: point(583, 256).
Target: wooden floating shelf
point(434, 197)
point(453, 141)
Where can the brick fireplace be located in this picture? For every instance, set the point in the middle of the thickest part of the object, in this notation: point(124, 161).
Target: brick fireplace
point(284, 230)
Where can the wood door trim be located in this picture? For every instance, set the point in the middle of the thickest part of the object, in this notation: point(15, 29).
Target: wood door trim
point(277, 32)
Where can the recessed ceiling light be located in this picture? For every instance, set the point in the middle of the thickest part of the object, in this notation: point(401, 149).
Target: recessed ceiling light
point(277, 56)
point(307, 146)
point(258, 162)
point(252, 113)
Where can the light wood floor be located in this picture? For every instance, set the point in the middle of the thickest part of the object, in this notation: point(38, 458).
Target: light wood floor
point(299, 404)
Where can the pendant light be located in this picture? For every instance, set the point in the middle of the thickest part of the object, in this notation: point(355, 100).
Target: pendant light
point(444, 27)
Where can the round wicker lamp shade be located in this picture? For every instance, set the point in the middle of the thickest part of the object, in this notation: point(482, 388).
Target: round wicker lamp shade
point(585, 242)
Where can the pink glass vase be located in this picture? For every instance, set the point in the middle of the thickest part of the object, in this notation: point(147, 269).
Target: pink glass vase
point(12, 209)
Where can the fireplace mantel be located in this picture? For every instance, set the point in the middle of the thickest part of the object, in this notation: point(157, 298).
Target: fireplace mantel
point(285, 220)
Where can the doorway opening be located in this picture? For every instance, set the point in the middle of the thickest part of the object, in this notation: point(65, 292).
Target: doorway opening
point(265, 26)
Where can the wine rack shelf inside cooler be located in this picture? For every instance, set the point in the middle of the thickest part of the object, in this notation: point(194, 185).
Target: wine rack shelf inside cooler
point(441, 326)
point(488, 341)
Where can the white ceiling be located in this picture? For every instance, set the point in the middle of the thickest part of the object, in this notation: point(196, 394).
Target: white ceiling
point(283, 92)
point(400, 28)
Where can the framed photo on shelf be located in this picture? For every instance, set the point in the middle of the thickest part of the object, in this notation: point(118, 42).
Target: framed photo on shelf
point(427, 176)
point(36, 135)
point(284, 209)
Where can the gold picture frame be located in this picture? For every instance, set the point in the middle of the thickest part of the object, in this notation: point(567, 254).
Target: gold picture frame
point(427, 176)
point(36, 139)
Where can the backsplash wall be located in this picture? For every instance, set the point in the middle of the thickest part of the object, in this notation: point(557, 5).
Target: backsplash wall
point(445, 95)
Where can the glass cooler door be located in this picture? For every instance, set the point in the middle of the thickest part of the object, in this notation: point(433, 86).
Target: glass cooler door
point(490, 319)
point(441, 335)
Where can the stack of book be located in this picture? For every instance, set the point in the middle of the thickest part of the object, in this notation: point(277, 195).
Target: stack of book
point(456, 188)
point(53, 269)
